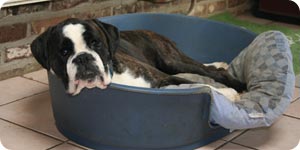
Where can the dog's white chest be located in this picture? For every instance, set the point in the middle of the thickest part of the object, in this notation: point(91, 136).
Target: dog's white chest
point(127, 78)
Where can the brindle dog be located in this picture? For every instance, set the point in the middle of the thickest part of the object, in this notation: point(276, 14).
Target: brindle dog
point(90, 53)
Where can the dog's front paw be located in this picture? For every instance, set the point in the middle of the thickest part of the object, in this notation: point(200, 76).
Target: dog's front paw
point(173, 80)
point(218, 65)
point(230, 94)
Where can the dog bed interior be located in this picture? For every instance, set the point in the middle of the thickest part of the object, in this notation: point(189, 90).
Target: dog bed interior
point(124, 117)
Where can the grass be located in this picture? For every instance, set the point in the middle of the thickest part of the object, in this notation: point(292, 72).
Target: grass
point(292, 34)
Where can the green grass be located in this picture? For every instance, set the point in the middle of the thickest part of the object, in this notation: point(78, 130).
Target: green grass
point(292, 34)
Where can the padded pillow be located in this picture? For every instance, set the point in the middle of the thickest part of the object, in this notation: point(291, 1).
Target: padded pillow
point(266, 66)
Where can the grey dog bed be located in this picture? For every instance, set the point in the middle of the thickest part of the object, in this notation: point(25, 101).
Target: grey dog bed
point(266, 66)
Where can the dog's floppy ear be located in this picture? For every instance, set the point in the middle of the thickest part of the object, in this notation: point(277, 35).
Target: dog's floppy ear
point(39, 48)
point(111, 32)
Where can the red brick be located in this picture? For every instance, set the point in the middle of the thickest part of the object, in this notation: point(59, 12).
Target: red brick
point(87, 15)
point(3, 13)
point(118, 10)
point(26, 9)
point(130, 8)
point(123, 9)
point(65, 4)
point(200, 9)
point(139, 6)
point(94, 14)
point(234, 3)
point(180, 2)
point(13, 32)
point(41, 25)
point(216, 6)
point(148, 6)
point(106, 12)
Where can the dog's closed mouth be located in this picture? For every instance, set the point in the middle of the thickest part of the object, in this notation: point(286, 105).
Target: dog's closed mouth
point(79, 84)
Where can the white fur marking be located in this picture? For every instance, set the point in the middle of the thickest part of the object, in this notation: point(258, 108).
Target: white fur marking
point(218, 65)
point(126, 78)
point(229, 93)
point(51, 71)
point(71, 70)
point(74, 33)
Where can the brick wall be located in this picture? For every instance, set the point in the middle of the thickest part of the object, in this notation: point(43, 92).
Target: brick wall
point(19, 25)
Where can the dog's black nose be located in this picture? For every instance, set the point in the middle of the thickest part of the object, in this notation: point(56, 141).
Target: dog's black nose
point(83, 58)
point(87, 73)
point(86, 68)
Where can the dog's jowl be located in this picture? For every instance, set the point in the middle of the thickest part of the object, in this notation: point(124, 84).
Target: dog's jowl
point(90, 53)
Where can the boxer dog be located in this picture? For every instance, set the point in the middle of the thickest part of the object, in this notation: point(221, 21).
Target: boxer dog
point(90, 53)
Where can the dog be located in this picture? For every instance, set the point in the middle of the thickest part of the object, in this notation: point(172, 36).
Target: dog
point(91, 53)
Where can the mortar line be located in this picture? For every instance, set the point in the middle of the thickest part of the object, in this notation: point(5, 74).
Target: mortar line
point(65, 142)
point(23, 98)
point(228, 141)
point(33, 80)
point(55, 146)
point(291, 116)
point(295, 100)
point(243, 145)
point(36, 131)
point(77, 145)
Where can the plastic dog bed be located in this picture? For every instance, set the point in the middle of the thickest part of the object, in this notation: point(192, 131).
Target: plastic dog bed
point(123, 117)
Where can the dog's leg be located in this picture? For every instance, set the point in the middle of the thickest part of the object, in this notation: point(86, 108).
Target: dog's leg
point(173, 61)
point(219, 75)
point(163, 54)
point(176, 62)
point(218, 65)
point(173, 80)
point(130, 69)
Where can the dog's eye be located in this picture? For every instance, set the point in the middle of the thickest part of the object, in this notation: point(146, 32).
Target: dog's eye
point(93, 42)
point(96, 44)
point(64, 52)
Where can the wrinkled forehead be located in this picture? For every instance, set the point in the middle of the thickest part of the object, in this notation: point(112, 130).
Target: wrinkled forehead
point(82, 34)
point(80, 28)
point(74, 32)
point(73, 28)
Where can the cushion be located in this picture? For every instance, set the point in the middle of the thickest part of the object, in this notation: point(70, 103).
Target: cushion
point(266, 66)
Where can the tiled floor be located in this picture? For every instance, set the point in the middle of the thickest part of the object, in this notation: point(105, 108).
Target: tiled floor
point(26, 121)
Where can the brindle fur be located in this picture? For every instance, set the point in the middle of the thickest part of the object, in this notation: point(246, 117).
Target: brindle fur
point(144, 53)
point(156, 58)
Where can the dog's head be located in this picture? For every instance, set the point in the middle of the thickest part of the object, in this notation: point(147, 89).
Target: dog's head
point(80, 52)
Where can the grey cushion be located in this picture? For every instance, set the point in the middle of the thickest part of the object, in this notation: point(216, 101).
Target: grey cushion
point(266, 66)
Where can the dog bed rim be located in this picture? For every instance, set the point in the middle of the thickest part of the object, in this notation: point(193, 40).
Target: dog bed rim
point(187, 91)
point(105, 19)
